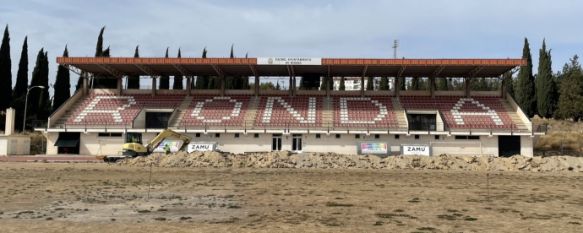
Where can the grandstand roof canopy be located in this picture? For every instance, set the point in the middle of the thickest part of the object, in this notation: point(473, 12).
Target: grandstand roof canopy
point(120, 66)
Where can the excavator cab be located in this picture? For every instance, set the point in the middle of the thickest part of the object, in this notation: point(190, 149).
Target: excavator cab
point(134, 149)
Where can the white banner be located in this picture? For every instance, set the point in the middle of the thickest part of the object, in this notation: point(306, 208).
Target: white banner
point(377, 148)
point(313, 61)
point(200, 146)
point(173, 144)
point(416, 150)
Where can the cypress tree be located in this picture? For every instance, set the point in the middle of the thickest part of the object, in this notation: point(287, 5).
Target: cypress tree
point(38, 99)
point(99, 46)
point(402, 83)
point(134, 80)
point(62, 85)
point(19, 93)
point(22, 75)
point(178, 78)
point(164, 79)
point(5, 72)
point(546, 91)
point(342, 85)
point(441, 84)
point(525, 90)
point(570, 104)
point(370, 84)
point(415, 83)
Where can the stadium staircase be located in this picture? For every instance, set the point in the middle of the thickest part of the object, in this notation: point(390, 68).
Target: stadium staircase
point(328, 113)
point(181, 110)
point(249, 120)
point(399, 113)
point(520, 125)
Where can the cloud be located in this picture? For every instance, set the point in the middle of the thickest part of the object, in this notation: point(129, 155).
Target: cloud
point(342, 28)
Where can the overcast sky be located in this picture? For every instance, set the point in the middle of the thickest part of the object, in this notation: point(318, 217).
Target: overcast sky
point(306, 28)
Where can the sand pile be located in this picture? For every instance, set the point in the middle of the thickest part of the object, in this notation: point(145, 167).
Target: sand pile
point(285, 159)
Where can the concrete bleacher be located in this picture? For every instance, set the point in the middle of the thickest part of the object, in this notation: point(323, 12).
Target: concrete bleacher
point(464, 112)
point(215, 111)
point(245, 111)
point(287, 111)
point(364, 112)
point(110, 109)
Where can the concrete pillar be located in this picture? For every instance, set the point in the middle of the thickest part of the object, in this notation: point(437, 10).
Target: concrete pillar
point(153, 86)
point(362, 85)
point(257, 84)
point(467, 87)
point(328, 83)
point(188, 85)
point(397, 85)
point(10, 120)
point(85, 83)
point(222, 79)
point(119, 86)
point(291, 86)
point(432, 86)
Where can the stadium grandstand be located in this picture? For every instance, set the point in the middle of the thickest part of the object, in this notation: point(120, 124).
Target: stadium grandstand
point(98, 121)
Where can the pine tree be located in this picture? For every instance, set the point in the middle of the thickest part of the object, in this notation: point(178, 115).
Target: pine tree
point(5, 72)
point(342, 85)
point(415, 83)
point(62, 87)
point(178, 78)
point(441, 84)
point(570, 105)
point(164, 79)
point(546, 91)
point(134, 80)
point(384, 84)
point(370, 83)
point(525, 90)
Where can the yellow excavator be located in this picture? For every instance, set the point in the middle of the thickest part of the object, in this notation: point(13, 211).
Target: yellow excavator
point(134, 149)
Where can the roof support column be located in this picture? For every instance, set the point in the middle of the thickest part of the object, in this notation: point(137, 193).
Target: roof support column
point(328, 83)
point(85, 83)
point(503, 87)
point(256, 86)
point(222, 79)
point(397, 86)
point(362, 86)
point(467, 86)
point(119, 86)
point(432, 86)
point(188, 85)
point(153, 86)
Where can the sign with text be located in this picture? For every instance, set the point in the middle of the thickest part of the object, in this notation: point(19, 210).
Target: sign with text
point(373, 148)
point(416, 150)
point(310, 61)
point(200, 146)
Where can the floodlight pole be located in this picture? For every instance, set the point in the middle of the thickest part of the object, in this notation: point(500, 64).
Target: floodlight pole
point(26, 105)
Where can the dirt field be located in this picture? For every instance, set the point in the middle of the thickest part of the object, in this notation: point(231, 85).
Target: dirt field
point(40, 197)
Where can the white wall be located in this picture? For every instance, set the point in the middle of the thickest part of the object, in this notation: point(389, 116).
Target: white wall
point(91, 144)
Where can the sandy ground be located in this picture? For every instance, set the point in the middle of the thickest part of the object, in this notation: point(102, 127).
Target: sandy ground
point(40, 197)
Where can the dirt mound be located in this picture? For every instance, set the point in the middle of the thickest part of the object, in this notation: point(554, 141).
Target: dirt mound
point(285, 159)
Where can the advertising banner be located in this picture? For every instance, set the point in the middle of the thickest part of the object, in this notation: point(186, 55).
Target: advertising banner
point(200, 146)
point(375, 148)
point(416, 150)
